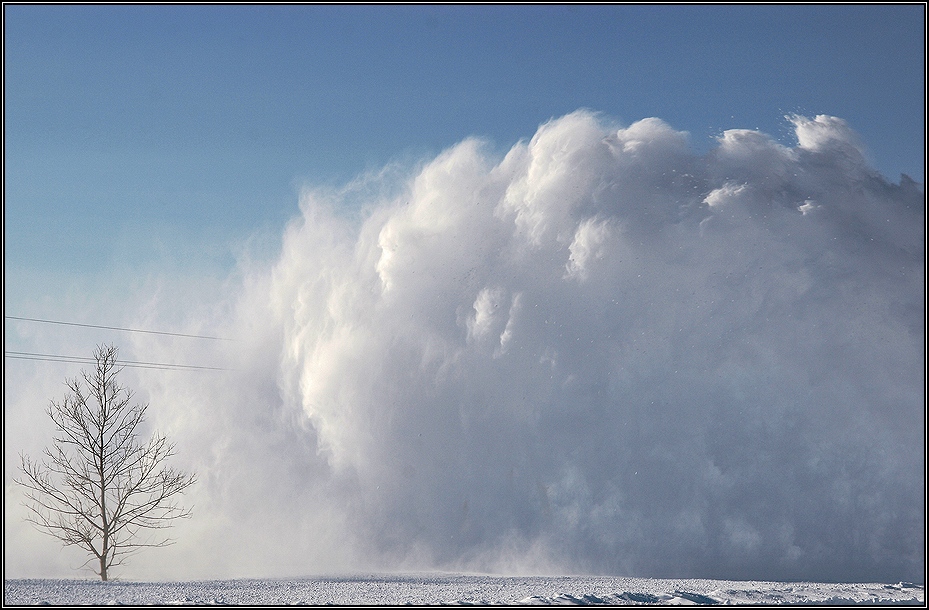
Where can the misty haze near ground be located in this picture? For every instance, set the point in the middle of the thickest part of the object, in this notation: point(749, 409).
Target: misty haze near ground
point(599, 352)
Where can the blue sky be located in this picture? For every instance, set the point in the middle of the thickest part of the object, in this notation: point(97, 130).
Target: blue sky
point(141, 134)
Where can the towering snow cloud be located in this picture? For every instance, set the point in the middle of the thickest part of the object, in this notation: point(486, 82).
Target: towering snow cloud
point(602, 353)
point(607, 353)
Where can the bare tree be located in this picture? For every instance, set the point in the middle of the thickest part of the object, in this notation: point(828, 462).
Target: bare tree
point(97, 487)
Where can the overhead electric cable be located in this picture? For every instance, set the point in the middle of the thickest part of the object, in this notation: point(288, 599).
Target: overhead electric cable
point(130, 330)
point(125, 363)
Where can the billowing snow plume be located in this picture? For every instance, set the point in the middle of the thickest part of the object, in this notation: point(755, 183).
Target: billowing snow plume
point(602, 353)
point(607, 354)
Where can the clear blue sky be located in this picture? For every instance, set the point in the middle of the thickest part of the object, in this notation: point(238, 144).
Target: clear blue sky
point(139, 133)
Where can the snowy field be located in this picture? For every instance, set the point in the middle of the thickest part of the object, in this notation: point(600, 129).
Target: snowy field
point(432, 589)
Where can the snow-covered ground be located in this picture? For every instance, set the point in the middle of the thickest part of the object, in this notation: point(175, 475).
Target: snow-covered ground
point(431, 589)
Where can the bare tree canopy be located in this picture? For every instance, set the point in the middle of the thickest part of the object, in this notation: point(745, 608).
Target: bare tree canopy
point(97, 487)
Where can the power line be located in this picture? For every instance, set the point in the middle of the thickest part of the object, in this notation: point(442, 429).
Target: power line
point(125, 363)
point(130, 330)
